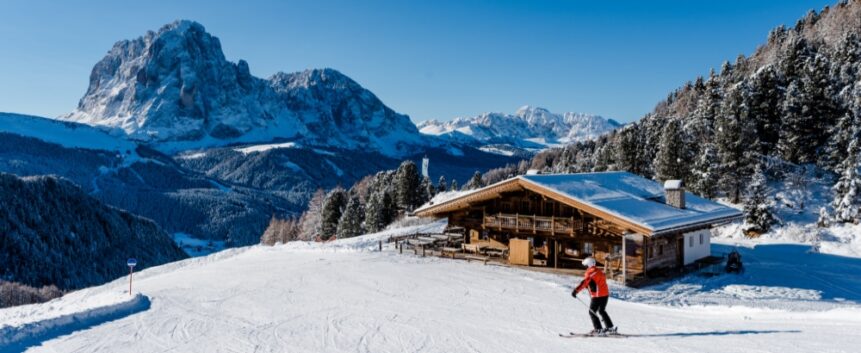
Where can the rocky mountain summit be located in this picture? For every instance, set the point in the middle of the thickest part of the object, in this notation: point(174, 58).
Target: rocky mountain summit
point(174, 87)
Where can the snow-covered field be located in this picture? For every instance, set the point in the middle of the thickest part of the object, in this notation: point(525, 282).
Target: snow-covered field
point(344, 296)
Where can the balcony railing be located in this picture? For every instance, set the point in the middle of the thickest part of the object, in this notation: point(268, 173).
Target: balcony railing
point(532, 223)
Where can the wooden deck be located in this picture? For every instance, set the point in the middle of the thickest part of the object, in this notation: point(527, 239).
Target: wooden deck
point(533, 223)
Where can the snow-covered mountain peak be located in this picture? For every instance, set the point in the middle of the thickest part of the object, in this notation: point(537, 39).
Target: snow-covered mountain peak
point(529, 127)
point(174, 88)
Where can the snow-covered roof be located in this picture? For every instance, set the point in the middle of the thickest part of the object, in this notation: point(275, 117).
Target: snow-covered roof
point(622, 195)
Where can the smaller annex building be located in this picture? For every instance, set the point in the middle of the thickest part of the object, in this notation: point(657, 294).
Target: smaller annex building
point(556, 220)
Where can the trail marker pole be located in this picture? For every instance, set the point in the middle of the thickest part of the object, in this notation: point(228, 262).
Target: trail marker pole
point(131, 262)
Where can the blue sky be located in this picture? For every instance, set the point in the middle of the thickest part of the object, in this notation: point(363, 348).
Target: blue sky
point(430, 59)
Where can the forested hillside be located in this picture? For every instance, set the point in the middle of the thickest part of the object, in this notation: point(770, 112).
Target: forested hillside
point(792, 110)
point(53, 233)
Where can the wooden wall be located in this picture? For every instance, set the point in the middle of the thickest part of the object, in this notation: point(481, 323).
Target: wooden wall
point(662, 252)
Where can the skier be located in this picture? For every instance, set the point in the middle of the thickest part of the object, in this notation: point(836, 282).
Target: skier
point(595, 280)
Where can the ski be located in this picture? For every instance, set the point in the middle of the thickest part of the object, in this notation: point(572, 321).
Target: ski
point(609, 335)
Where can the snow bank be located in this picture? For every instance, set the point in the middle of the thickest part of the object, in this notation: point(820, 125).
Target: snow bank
point(29, 324)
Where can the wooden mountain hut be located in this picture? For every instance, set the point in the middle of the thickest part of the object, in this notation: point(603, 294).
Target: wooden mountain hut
point(556, 220)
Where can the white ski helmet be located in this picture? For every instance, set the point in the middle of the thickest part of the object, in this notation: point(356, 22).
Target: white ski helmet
point(589, 261)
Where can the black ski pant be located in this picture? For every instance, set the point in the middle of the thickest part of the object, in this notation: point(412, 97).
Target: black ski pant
point(599, 306)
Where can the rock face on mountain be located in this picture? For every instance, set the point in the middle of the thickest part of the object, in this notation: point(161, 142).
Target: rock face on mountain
point(528, 127)
point(176, 88)
point(54, 233)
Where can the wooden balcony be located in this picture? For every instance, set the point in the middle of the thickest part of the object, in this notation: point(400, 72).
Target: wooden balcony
point(533, 223)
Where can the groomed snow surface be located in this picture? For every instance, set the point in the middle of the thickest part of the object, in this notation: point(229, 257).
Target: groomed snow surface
point(344, 296)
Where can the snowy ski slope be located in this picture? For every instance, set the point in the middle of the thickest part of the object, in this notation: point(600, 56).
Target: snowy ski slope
point(346, 297)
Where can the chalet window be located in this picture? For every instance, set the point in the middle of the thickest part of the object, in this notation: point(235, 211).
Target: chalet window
point(701, 238)
point(524, 207)
point(548, 208)
point(587, 248)
point(691, 241)
point(660, 250)
point(617, 249)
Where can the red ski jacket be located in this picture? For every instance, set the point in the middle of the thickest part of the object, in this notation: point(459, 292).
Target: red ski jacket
point(595, 280)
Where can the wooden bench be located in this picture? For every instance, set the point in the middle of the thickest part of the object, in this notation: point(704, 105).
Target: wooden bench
point(449, 251)
point(427, 239)
point(473, 248)
point(440, 237)
point(495, 252)
point(470, 257)
point(419, 242)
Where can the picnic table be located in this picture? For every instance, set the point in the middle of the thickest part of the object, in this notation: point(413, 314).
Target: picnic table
point(450, 251)
point(419, 242)
point(429, 239)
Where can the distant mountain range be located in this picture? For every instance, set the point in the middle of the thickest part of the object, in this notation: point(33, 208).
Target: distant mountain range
point(170, 130)
point(527, 130)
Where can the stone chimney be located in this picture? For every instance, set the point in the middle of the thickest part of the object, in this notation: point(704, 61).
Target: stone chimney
point(674, 191)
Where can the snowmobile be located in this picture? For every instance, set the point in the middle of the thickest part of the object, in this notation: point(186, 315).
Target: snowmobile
point(733, 263)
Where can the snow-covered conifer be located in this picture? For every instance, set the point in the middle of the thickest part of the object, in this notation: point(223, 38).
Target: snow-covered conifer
point(847, 199)
point(735, 136)
point(671, 161)
point(475, 182)
point(757, 208)
point(350, 224)
point(333, 208)
point(407, 185)
point(310, 224)
point(704, 173)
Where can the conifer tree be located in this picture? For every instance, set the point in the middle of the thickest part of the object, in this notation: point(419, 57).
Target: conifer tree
point(431, 190)
point(795, 137)
point(757, 209)
point(475, 182)
point(671, 162)
point(734, 137)
point(847, 199)
point(390, 208)
point(454, 185)
point(310, 223)
point(333, 208)
point(708, 108)
point(441, 185)
point(425, 191)
point(350, 224)
point(764, 109)
point(843, 132)
point(374, 212)
point(704, 175)
point(627, 151)
point(819, 90)
point(407, 185)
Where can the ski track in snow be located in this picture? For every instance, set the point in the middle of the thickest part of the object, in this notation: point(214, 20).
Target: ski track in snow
point(345, 297)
